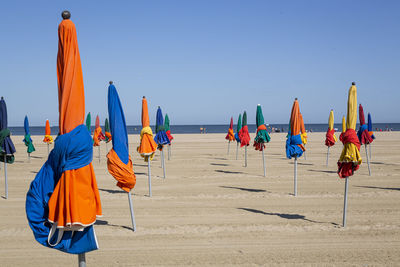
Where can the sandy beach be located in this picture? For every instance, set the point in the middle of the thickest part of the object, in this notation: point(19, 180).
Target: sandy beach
point(210, 210)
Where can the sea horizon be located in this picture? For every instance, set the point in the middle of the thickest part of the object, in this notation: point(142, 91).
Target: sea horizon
point(213, 128)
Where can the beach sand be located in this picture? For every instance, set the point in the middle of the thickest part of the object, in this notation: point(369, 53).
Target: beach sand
point(210, 210)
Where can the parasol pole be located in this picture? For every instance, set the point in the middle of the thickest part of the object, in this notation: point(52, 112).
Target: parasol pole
point(169, 151)
point(345, 201)
point(162, 161)
point(48, 149)
point(327, 156)
point(132, 214)
point(295, 176)
point(5, 175)
point(149, 174)
point(366, 152)
point(106, 148)
point(263, 159)
point(99, 152)
point(370, 153)
point(237, 148)
point(305, 155)
point(29, 157)
point(81, 260)
point(245, 156)
point(229, 144)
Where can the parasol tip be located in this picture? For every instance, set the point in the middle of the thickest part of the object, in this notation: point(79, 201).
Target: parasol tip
point(258, 104)
point(353, 83)
point(110, 82)
point(158, 106)
point(66, 14)
point(144, 97)
point(295, 98)
point(2, 98)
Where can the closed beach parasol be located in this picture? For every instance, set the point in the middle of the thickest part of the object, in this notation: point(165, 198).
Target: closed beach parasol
point(7, 148)
point(238, 127)
point(161, 137)
point(230, 136)
point(63, 200)
point(262, 135)
point(330, 139)
point(27, 139)
point(98, 135)
point(350, 159)
point(107, 133)
point(147, 146)
point(89, 122)
point(371, 133)
point(294, 144)
point(168, 132)
point(363, 135)
point(341, 136)
point(303, 134)
point(119, 162)
point(244, 137)
point(48, 139)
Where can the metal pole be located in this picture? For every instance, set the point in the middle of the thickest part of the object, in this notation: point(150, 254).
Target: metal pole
point(327, 157)
point(82, 260)
point(237, 148)
point(132, 214)
point(163, 162)
point(149, 175)
point(366, 152)
point(263, 160)
point(345, 202)
point(99, 153)
point(305, 155)
point(5, 175)
point(295, 176)
point(106, 148)
point(48, 149)
point(229, 145)
point(29, 157)
point(169, 151)
point(245, 156)
point(370, 152)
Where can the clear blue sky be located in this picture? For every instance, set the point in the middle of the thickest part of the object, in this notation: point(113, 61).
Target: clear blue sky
point(205, 61)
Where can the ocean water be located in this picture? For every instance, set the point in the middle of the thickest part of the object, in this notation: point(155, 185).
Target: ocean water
point(222, 128)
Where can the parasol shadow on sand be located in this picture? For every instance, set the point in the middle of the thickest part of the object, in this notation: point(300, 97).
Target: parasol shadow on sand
point(219, 164)
point(253, 190)
point(112, 191)
point(230, 172)
point(102, 222)
point(287, 216)
point(304, 164)
point(141, 173)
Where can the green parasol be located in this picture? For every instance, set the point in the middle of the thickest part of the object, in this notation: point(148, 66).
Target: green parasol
point(166, 123)
point(238, 127)
point(262, 134)
point(88, 122)
point(107, 130)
